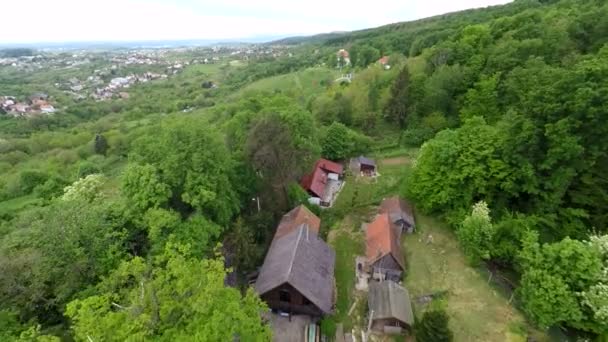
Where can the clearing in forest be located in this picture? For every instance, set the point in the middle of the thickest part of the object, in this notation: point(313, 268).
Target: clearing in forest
point(478, 312)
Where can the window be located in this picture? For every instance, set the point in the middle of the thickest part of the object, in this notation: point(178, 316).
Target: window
point(284, 296)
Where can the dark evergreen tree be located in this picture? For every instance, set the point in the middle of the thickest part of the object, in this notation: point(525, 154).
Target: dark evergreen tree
point(398, 105)
point(100, 144)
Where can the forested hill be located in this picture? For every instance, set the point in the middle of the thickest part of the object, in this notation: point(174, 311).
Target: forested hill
point(118, 218)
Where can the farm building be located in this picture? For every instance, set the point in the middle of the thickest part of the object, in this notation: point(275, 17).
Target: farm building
point(384, 259)
point(390, 308)
point(296, 217)
point(324, 182)
point(363, 166)
point(400, 213)
point(297, 276)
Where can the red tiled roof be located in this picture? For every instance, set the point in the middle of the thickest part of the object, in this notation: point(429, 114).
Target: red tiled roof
point(381, 240)
point(329, 166)
point(383, 60)
point(315, 182)
point(296, 217)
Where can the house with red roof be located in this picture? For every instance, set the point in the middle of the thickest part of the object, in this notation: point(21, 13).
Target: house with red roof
point(383, 252)
point(324, 182)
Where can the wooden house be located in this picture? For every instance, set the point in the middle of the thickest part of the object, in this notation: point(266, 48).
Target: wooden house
point(384, 258)
point(297, 276)
point(390, 309)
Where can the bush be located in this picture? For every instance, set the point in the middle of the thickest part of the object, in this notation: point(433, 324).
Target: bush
point(30, 179)
point(434, 327)
point(328, 327)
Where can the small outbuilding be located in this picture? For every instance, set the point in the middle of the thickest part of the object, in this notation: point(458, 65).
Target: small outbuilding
point(390, 308)
point(363, 166)
point(400, 213)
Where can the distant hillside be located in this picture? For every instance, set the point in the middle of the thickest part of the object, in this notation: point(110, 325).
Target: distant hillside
point(317, 38)
point(424, 32)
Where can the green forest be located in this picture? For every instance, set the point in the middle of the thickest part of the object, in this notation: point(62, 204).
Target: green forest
point(122, 220)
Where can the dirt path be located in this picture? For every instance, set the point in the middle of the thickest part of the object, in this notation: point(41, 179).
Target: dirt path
point(396, 161)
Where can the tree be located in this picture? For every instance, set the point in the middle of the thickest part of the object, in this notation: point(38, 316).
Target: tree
point(547, 299)
point(280, 147)
point(143, 186)
point(433, 327)
point(336, 144)
point(57, 251)
point(177, 297)
point(398, 106)
point(100, 144)
point(188, 158)
point(86, 189)
point(476, 233)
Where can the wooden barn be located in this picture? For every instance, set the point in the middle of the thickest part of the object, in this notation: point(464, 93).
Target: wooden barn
point(363, 166)
point(384, 259)
point(400, 213)
point(390, 309)
point(297, 276)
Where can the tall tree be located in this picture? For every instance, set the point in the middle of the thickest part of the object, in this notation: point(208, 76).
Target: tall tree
point(399, 103)
point(100, 144)
point(175, 297)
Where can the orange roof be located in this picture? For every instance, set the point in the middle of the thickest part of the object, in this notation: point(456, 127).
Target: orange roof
point(296, 217)
point(383, 60)
point(381, 240)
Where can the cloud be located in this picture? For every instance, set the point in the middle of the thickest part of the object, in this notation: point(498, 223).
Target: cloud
point(84, 20)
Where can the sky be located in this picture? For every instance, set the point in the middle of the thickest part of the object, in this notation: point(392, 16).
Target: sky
point(30, 21)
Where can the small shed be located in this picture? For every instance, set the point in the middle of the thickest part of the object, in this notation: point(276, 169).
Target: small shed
point(400, 213)
point(363, 166)
point(390, 308)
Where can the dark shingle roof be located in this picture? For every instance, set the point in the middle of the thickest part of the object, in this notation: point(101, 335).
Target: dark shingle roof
point(398, 209)
point(390, 300)
point(366, 161)
point(304, 261)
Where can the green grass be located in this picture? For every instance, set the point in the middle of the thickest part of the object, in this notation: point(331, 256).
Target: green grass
point(477, 311)
point(302, 84)
point(347, 243)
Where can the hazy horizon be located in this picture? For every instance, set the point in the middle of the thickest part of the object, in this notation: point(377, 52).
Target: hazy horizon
point(72, 21)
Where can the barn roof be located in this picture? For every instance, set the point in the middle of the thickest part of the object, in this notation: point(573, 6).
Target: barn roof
point(329, 166)
point(390, 300)
point(366, 161)
point(296, 217)
point(305, 262)
point(381, 240)
point(398, 209)
point(315, 182)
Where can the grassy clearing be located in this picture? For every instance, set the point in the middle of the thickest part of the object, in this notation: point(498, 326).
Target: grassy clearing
point(347, 241)
point(302, 84)
point(477, 311)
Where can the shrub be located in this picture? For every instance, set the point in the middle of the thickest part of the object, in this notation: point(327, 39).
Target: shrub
point(434, 327)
